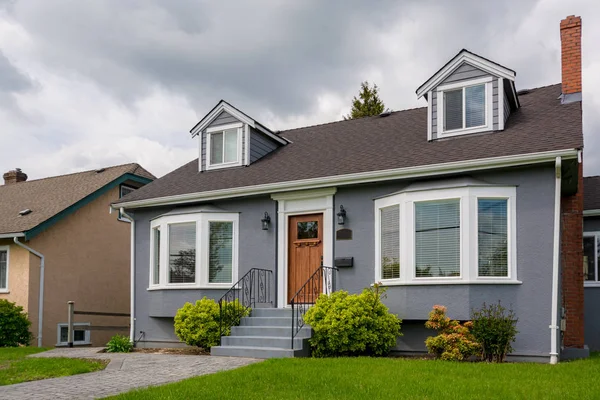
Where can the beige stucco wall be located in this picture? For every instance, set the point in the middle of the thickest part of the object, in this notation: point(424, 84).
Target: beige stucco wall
point(18, 274)
point(87, 261)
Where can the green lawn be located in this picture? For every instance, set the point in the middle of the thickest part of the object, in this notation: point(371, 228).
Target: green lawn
point(15, 368)
point(387, 378)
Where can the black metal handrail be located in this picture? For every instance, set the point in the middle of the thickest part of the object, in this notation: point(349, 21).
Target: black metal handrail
point(320, 282)
point(252, 288)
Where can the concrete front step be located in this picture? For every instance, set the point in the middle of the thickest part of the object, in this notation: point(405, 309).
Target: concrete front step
point(277, 331)
point(271, 312)
point(262, 341)
point(253, 352)
point(267, 321)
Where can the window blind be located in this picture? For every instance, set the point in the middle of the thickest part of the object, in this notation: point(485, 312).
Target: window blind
point(589, 258)
point(216, 148)
point(182, 253)
point(390, 242)
point(220, 258)
point(231, 141)
point(156, 266)
point(3, 269)
point(475, 106)
point(492, 234)
point(437, 238)
point(453, 109)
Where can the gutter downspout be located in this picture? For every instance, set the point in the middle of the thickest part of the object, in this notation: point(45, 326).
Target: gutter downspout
point(555, 265)
point(41, 295)
point(132, 277)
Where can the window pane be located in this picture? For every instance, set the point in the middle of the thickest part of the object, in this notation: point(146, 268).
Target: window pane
point(182, 253)
point(475, 105)
point(492, 236)
point(437, 237)
point(64, 334)
point(3, 269)
point(216, 148)
point(220, 259)
point(125, 190)
point(453, 110)
point(78, 335)
point(308, 230)
point(231, 142)
point(156, 269)
point(589, 257)
point(390, 242)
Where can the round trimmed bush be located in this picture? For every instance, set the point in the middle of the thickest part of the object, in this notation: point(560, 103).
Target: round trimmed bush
point(352, 324)
point(14, 325)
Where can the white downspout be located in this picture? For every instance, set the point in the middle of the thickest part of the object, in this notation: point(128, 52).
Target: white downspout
point(41, 296)
point(132, 277)
point(555, 265)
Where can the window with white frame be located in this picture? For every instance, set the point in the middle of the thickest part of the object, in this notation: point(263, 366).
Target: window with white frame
point(194, 250)
point(3, 269)
point(453, 235)
point(465, 107)
point(591, 255)
point(80, 336)
point(124, 190)
point(224, 146)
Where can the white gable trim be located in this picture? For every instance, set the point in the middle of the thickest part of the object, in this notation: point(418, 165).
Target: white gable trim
point(429, 116)
point(460, 58)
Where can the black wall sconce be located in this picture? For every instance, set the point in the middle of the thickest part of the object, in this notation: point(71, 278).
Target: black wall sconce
point(341, 216)
point(266, 220)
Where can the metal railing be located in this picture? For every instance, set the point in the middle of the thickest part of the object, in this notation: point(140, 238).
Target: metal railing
point(71, 322)
point(254, 287)
point(320, 282)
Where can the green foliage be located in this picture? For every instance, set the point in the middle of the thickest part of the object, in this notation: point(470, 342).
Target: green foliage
point(368, 102)
point(14, 325)
point(198, 324)
point(352, 324)
point(119, 344)
point(454, 340)
point(495, 329)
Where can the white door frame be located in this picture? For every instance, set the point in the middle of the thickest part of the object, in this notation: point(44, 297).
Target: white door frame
point(300, 203)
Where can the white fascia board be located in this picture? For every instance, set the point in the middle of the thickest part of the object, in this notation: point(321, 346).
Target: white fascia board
point(210, 117)
point(475, 61)
point(356, 178)
point(11, 235)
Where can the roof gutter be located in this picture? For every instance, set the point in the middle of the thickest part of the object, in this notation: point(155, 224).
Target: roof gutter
point(132, 277)
point(356, 178)
point(41, 294)
point(11, 235)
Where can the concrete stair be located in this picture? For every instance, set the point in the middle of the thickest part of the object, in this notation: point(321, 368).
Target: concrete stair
point(266, 333)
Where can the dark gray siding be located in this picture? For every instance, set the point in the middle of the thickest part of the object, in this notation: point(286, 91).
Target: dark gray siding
point(531, 300)
point(506, 107)
point(464, 72)
point(591, 298)
point(260, 145)
point(223, 119)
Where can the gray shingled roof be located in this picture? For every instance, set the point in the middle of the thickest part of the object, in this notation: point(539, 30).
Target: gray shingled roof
point(591, 193)
point(49, 196)
point(379, 143)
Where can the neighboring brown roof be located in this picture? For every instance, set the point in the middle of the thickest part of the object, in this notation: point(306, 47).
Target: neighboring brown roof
point(49, 196)
point(379, 143)
point(591, 193)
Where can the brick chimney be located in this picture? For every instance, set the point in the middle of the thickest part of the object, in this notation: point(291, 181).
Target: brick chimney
point(14, 176)
point(572, 205)
point(570, 38)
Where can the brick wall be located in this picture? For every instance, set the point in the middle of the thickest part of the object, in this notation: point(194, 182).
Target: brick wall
point(570, 37)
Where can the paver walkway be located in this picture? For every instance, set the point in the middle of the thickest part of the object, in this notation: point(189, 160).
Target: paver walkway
point(123, 373)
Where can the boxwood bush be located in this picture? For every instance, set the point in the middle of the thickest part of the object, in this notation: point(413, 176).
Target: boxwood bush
point(352, 324)
point(14, 325)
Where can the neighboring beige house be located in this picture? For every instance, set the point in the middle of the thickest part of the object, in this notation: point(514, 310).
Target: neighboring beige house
point(66, 222)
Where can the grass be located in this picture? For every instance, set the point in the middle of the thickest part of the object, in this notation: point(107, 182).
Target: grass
point(387, 378)
point(15, 368)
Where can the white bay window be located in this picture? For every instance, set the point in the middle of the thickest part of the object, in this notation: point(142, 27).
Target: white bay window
point(459, 235)
point(197, 250)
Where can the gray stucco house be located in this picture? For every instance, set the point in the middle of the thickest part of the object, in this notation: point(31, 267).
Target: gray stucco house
point(476, 197)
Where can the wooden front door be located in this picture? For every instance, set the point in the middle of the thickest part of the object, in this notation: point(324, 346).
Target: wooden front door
point(305, 249)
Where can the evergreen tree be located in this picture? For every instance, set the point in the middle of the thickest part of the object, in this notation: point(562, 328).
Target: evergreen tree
point(368, 102)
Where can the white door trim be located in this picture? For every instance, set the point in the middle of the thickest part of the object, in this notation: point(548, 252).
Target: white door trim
point(300, 203)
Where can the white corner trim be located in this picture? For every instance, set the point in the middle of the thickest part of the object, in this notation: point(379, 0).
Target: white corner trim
point(500, 104)
point(429, 115)
point(357, 178)
point(220, 128)
point(7, 288)
point(247, 141)
point(554, 328)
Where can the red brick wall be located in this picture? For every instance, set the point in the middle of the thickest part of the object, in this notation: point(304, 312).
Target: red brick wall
point(570, 37)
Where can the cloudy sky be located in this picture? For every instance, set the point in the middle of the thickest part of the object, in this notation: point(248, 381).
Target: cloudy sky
point(85, 84)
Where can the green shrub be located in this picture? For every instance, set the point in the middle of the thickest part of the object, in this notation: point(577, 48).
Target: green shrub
point(495, 329)
point(198, 324)
point(454, 340)
point(119, 344)
point(352, 324)
point(14, 325)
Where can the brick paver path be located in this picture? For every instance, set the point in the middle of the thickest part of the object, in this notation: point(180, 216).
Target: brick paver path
point(123, 373)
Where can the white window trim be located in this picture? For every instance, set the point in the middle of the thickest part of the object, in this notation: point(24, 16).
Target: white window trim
point(468, 235)
point(120, 217)
point(489, 106)
point(7, 288)
point(596, 235)
point(87, 340)
point(222, 128)
point(202, 245)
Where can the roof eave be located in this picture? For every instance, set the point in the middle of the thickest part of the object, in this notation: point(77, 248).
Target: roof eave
point(11, 235)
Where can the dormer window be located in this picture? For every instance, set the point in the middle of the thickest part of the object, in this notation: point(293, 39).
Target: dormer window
point(465, 107)
point(224, 146)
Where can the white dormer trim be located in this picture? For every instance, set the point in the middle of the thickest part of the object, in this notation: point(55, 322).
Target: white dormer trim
point(464, 57)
